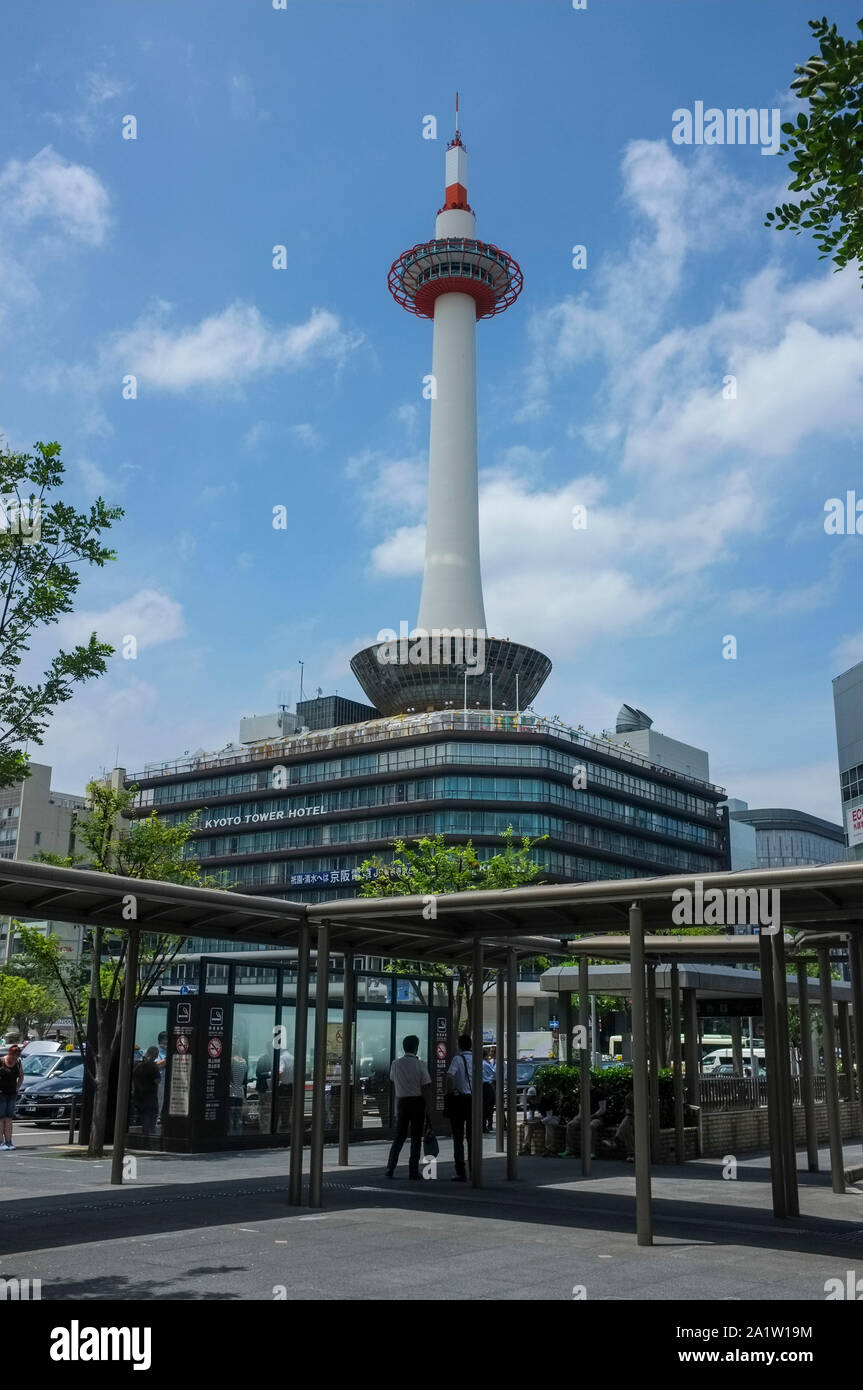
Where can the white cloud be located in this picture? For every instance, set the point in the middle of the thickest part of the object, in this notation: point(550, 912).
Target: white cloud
point(306, 434)
point(227, 348)
point(95, 478)
point(244, 104)
point(848, 652)
point(393, 486)
point(151, 617)
point(51, 188)
point(97, 88)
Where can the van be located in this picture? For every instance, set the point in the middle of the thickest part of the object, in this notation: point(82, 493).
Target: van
point(724, 1057)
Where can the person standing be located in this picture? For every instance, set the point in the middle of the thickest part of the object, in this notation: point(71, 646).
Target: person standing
point(488, 1092)
point(413, 1090)
point(145, 1090)
point(11, 1077)
point(460, 1097)
point(238, 1076)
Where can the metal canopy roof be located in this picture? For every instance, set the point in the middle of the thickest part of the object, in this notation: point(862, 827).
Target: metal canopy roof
point(531, 919)
point(825, 896)
point(711, 981)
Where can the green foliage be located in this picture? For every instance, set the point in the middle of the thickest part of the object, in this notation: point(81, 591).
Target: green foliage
point(827, 148)
point(561, 1086)
point(25, 1004)
point(43, 959)
point(39, 579)
point(431, 867)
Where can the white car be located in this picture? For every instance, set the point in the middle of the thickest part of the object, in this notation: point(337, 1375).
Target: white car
point(724, 1057)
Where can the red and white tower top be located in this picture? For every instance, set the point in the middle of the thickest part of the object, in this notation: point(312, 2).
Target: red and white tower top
point(455, 262)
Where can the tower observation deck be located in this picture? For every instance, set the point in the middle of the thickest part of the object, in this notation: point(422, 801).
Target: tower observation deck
point(454, 279)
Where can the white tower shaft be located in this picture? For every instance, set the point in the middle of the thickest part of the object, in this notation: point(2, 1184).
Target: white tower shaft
point(452, 578)
point(452, 582)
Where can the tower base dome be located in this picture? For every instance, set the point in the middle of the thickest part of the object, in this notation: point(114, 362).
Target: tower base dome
point(418, 674)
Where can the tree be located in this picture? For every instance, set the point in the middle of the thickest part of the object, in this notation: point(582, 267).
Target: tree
point(24, 1004)
point(827, 145)
point(41, 546)
point(147, 849)
point(433, 867)
point(42, 960)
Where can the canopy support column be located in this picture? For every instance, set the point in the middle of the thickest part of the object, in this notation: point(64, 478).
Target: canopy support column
point(476, 1078)
point(842, 1010)
point(346, 1093)
point(653, 1060)
point(584, 1061)
point(319, 1074)
point(737, 1046)
point(640, 1089)
point(837, 1158)
point(499, 1070)
point(806, 1074)
point(677, 1064)
point(511, 1063)
point(783, 1042)
point(855, 960)
point(773, 1063)
point(691, 1050)
point(124, 1066)
point(298, 1107)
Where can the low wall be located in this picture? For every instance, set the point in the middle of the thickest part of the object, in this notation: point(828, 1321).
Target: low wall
point(722, 1132)
point(739, 1131)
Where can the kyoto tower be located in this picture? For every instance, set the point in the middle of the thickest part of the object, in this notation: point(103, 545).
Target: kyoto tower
point(454, 280)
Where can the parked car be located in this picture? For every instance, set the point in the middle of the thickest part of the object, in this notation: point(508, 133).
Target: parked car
point(40, 1065)
point(524, 1077)
point(34, 1046)
point(724, 1057)
point(46, 1102)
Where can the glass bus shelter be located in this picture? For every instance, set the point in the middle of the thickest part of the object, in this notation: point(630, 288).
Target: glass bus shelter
point(233, 1084)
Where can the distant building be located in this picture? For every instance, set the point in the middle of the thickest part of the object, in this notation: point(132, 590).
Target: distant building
point(743, 837)
point(784, 837)
point(848, 709)
point(34, 818)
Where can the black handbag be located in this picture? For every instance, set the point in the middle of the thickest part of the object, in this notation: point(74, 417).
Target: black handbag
point(431, 1147)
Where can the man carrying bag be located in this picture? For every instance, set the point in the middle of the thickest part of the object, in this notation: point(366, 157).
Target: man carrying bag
point(413, 1088)
point(458, 1104)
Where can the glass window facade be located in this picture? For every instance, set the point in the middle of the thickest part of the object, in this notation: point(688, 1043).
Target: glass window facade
point(307, 838)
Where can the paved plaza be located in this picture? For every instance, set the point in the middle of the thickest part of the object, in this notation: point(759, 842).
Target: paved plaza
point(218, 1227)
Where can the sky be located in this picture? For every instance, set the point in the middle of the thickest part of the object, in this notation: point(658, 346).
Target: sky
point(604, 387)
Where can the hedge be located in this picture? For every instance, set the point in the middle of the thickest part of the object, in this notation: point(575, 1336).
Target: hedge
point(560, 1087)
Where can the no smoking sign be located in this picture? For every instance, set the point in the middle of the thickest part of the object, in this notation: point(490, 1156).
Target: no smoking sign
point(214, 1047)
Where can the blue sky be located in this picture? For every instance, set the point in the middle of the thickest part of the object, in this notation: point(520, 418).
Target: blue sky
point(303, 387)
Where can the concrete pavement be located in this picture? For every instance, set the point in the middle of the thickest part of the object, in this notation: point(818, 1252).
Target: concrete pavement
point(218, 1227)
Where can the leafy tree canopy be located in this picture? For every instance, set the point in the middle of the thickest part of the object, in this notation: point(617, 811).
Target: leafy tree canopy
point(43, 544)
point(827, 148)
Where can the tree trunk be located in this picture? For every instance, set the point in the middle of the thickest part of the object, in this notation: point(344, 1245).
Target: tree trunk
point(96, 1146)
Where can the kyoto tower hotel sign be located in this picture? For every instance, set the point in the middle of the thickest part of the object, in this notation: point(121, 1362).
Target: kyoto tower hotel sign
point(454, 279)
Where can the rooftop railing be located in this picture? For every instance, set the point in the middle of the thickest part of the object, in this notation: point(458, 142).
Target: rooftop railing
point(407, 726)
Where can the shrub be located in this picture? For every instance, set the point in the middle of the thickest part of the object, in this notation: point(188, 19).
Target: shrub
point(561, 1087)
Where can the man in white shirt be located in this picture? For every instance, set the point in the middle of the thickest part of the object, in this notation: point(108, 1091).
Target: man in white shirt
point(460, 1085)
point(413, 1090)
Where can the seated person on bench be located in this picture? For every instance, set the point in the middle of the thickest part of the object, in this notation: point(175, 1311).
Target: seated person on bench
point(573, 1130)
